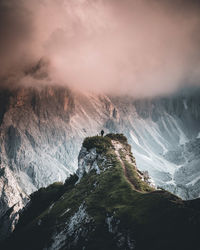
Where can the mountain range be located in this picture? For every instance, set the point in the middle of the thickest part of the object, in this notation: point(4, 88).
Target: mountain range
point(41, 132)
point(107, 204)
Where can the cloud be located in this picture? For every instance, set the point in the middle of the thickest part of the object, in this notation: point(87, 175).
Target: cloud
point(141, 48)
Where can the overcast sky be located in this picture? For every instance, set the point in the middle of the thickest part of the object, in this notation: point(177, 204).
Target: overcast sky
point(136, 47)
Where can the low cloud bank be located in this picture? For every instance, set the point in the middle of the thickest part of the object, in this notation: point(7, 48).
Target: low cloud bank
point(141, 48)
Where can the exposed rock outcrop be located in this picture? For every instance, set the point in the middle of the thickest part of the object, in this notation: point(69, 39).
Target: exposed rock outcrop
point(110, 207)
point(41, 131)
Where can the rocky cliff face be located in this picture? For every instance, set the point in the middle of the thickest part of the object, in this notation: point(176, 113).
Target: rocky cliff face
point(12, 200)
point(40, 136)
point(41, 131)
point(109, 205)
point(164, 134)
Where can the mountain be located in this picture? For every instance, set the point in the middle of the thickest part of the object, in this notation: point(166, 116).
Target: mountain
point(107, 204)
point(41, 131)
point(164, 135)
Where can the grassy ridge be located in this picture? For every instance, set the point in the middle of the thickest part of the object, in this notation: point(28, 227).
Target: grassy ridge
point(155, 219)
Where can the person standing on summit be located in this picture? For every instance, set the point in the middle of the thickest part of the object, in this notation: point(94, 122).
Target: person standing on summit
point(102, 132)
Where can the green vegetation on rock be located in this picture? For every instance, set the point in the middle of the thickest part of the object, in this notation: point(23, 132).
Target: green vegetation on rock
point(118, 137)
point(112, 210)
point(102, 144)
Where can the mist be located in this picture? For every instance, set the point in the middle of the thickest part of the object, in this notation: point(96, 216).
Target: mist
point(138, 48)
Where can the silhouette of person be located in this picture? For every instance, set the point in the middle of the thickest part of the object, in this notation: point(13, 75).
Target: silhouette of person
point(102, 132)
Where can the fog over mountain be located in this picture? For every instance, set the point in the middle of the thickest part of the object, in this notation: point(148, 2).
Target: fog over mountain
point(141, 48)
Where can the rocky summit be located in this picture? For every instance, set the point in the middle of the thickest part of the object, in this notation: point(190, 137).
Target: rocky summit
point(108, 204)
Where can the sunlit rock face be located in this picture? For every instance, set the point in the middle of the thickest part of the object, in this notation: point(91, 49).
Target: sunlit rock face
point(42, 131)
point(33, 136)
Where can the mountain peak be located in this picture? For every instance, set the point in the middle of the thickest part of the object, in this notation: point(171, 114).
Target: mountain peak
point(108, 205)
point(100, 153)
